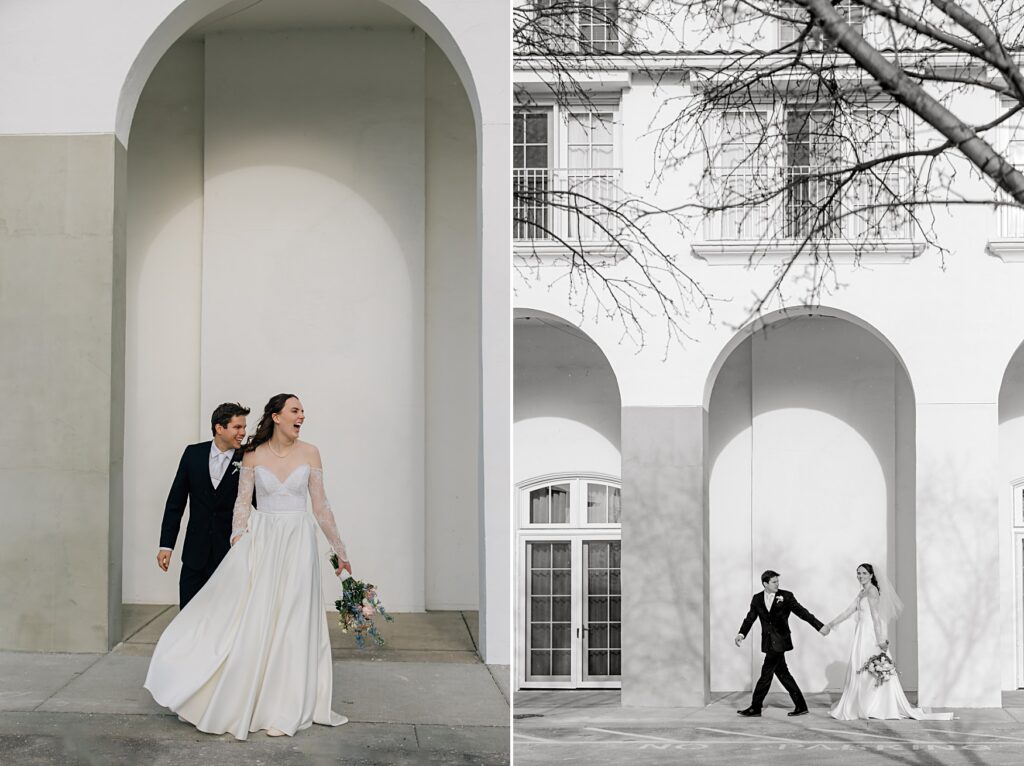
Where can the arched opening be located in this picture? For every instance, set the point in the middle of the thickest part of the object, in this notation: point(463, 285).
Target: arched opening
point(811, 471)
point(1011, 502)
point(567, 466)
point(302, 200)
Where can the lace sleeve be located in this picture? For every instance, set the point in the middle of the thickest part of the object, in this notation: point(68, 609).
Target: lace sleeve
point(845, 614)
point(323, 514)
point(243, 502)
point(876, 619)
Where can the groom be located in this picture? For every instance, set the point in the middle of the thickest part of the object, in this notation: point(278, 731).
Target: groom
point(208, 481)
point(773, 607)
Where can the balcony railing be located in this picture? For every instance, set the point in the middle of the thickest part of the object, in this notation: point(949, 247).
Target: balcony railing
point(1011, 222)
point(801, 200)
point(571, 205)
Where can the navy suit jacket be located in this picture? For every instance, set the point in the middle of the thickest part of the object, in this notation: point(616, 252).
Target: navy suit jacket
point(209, 510)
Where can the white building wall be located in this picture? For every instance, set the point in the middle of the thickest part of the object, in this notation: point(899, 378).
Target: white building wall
point(452, 343)
point(166, 263)
point(566, 403)
point(313, 267)
point(164, 278)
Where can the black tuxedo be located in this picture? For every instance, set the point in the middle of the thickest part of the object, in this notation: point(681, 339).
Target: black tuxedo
point(208, 535)
point(776, 640)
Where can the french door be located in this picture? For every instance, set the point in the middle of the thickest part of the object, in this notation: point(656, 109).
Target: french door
point(570, 590)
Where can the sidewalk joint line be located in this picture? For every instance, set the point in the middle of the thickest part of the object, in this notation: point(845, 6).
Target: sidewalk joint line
point(67, 683)
point(145, 625)
point(975, 734)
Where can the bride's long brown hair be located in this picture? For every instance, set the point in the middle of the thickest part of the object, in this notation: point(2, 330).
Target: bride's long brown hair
point(265, 428)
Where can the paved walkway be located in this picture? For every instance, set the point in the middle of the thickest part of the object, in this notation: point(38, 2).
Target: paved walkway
point(591, 728)
point(424, 698)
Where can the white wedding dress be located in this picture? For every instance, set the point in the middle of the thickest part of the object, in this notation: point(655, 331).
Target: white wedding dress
point(250, 651)
point(861, 697)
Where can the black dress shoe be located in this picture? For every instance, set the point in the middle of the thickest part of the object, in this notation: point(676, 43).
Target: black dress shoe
point(750, 712)
point(798, 711)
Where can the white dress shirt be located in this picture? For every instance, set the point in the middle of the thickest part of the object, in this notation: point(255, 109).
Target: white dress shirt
point(769, 599)
point(218, 465)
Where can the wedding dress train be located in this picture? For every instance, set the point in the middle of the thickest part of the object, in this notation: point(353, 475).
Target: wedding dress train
point(862, 697)
point(250, 651)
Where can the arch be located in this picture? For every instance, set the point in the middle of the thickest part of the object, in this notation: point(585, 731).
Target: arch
point(811, 461)
point(188, 13)
point(470, 250)
point(523, 312)
point(775, 318)
point(1010, 412)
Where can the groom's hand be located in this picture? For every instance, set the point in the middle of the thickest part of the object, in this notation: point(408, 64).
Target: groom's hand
point(739, 639)
point(825, 630)
point(163, 559)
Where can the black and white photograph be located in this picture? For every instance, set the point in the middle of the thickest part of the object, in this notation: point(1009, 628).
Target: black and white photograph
point(768, 441)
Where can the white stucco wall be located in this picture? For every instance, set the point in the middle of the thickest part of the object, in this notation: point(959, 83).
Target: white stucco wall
point(452, 343)
point(164, 277)
point(313, 267)
point(354, 226)
point(70, 69)
point(566, 403)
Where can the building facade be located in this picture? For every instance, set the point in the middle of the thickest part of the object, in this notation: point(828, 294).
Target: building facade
point(209, 201)
point(880, 422)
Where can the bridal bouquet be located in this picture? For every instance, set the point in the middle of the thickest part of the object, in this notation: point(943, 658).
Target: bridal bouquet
point(357, 608)
point(880, 666)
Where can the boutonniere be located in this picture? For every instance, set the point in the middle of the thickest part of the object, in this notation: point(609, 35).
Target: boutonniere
point(778, 599)
point(237, 464)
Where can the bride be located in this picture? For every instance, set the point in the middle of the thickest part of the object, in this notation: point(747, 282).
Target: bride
point(875, 605)
point(250, 651)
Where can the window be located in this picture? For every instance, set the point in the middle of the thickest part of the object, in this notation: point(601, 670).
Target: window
point(565, 183)
point(818, 40)
point(569, 564)
point(531, 177)
point(574, 26)
point(782, 173)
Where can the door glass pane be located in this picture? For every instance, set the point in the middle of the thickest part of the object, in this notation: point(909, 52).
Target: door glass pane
point(549, 616)
point(602, 609)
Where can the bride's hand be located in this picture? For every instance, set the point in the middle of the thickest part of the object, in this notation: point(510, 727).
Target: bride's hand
point(343, 564)
point(884, 646)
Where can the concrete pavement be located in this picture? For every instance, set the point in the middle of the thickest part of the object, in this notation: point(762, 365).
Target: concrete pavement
point(423, 698)
point(591, 728)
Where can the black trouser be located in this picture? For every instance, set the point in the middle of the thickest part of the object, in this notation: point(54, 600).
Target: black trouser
point(775, 665)
point(193, 579)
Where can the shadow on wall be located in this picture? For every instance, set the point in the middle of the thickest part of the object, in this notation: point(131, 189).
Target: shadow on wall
point(1011, 402)
point(961, 599)
point(664, 520)
point(561, 373)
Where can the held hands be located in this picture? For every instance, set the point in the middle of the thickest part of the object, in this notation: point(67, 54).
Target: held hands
point(163, 559)
point(825, 630)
